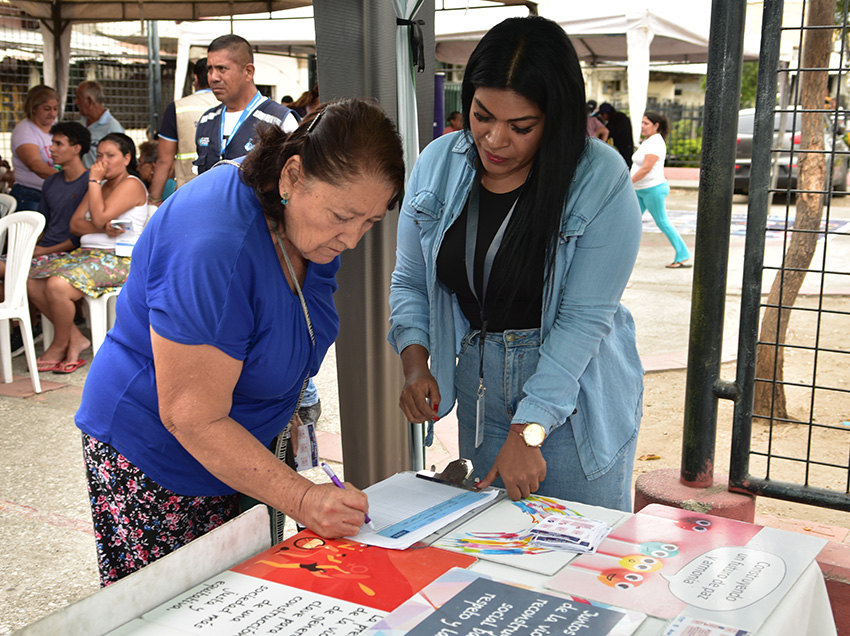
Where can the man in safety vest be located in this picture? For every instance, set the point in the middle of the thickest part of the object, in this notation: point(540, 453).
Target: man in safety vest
point(177, 134)
point(227, 131)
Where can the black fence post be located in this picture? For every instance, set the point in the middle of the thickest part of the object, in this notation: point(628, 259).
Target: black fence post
point(714, 216)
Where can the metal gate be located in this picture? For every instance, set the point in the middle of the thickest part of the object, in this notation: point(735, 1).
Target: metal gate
point(792, 388)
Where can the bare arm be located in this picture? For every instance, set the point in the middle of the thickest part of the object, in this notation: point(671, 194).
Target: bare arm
point(30, 155)
point(648, 162)
point(195, 385)
point(164, 162)
point(126, 195)
point(64, 246)
point(602, 133)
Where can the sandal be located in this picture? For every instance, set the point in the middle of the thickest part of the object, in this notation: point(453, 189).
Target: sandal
point(678, 265)
point(69, 367)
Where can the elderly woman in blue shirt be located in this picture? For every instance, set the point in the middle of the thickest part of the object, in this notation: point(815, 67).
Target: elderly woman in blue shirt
point(516, 240)
point(227, 310)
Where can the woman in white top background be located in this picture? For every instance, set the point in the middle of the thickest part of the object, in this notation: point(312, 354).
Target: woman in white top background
point(651, 187)
point(115, 193)
point(31, 146)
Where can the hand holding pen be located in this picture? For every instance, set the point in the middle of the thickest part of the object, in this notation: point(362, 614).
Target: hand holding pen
point(336, 482)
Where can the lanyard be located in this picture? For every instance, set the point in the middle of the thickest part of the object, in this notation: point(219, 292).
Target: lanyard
point(252, 105)
point(489, 257)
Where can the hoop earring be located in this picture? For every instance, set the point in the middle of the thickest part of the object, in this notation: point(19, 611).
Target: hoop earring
point(284, 199)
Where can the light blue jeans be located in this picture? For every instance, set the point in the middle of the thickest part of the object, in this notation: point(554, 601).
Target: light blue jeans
point(510, 358)
point(652, 199)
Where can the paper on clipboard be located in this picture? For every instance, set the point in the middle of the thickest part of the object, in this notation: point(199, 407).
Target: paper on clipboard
point(405, 509)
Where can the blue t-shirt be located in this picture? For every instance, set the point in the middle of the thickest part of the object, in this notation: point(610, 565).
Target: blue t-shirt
point(205, 271)
point(59, 201)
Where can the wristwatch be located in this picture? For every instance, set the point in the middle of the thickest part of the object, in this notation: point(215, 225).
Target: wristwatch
point(532, 434)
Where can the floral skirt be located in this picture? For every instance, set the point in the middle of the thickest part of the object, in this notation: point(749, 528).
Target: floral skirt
point(93, 271)
point(137, 521)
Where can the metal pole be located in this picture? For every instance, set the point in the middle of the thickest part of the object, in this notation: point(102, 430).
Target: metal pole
point(154, 76)
point(757, 211)
point(714, 217)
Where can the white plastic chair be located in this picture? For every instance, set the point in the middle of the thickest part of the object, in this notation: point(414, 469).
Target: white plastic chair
point(8, 204)
point(22, 229)
point(100, 314)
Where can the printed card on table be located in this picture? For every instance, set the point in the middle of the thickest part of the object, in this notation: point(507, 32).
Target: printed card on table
point(665, 561)
point(351, 571)
point(512, 544)
point(233, 603)
point(462, 602)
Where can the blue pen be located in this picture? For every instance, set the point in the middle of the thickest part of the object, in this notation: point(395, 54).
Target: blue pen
point(330, 473)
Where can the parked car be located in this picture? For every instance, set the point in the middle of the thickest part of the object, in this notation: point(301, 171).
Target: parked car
point(786, 162)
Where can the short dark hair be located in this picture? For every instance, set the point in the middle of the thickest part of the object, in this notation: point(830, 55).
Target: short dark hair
point(338, 142)
point(148, 151)
point(76, 133)
point(126, 146)
point(661, 120)
point(200, 71)
point(238, 46)
point(533, 57)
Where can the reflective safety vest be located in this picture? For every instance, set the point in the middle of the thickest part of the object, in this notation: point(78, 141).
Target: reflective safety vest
point(188, 111)
point(208, 135)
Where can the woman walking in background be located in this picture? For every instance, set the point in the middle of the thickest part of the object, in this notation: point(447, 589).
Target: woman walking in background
point(650, 185)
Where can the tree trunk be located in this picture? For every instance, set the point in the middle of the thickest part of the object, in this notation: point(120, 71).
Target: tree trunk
point(817, 46)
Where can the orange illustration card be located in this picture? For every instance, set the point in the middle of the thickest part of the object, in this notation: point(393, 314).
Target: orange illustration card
point(350, 571)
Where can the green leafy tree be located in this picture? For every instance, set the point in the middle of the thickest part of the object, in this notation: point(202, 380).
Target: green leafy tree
point(748, 84)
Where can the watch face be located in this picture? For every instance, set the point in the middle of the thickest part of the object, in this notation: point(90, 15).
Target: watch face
point(534, 434)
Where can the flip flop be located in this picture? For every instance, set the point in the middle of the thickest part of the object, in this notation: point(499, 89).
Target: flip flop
point(678, 265)
point(44, 365)
point(69, 367)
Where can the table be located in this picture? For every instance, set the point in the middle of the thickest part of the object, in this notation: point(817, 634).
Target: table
point(808, 612)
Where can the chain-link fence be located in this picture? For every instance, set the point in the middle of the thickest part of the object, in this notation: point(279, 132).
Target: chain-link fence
point(114, 54)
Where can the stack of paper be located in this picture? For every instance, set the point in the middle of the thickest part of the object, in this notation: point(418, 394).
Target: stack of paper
point(575, 534)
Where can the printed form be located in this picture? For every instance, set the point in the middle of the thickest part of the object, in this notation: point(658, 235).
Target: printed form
point(406, 509)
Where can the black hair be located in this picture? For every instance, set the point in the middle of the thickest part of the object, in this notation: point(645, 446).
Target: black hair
point(76, 133)
point(240, 49)
point(200, 71)
point(338, 142)
point(661, 120)
point(127, 147)
point(533, 57)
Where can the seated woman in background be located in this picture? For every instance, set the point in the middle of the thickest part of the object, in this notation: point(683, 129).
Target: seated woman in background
point(115, 194)
point(31, 146)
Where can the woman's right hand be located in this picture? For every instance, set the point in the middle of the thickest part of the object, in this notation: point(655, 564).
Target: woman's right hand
point(332, 512)
point(420, 397)
point(97, 171)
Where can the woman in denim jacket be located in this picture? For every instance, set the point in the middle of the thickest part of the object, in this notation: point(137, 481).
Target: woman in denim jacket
point(541, 357)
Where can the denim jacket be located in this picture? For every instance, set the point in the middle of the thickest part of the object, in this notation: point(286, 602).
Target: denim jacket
point(589, 369)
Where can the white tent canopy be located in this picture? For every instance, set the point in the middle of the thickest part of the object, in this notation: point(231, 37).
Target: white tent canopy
point(634, 32)
point(265, 34)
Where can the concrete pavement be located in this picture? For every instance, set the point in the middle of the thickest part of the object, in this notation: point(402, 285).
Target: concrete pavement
point(47, 557)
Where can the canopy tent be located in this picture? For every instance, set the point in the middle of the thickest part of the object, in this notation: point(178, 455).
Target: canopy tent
point(290, 35)
point(634, 32)
point(57, 15)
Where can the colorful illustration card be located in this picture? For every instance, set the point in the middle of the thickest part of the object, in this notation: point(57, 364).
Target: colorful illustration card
point(462, 602)
point(666, 561)
point(512, 543)
point(350, 571)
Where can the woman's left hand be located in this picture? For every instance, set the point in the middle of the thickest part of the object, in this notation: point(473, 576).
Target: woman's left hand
point(520, 466)
point(112, 231)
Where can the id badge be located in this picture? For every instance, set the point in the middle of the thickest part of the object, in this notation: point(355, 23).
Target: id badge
point(479, 416)
point(306, 448)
